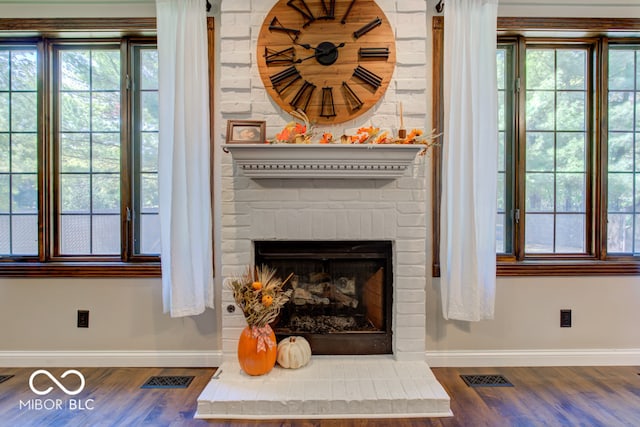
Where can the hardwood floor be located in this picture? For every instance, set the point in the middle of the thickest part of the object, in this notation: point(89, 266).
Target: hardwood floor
point(567, 396)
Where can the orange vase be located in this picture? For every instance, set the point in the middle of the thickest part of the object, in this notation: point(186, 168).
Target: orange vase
point(257, 350)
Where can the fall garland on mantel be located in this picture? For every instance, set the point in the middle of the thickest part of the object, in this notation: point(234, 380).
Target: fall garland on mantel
point(303, 133)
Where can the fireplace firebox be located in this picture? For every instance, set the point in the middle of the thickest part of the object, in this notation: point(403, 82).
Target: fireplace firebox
point(342, 293)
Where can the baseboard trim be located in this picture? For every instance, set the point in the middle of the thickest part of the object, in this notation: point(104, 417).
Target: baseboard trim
point(580, 357)
point(91, 359)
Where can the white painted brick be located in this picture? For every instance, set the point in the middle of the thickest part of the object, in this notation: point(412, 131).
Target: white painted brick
point(235, 107)
point(235, 32)
point(397, 195)
point(411, 296)
point(409, 320)
point(408, 245)
point(411, 208)
point(411, 258)
point(236, 57)
point(230, 220)
point(408, 232)
point(411, 84)
point(235, 6)
point(411, 271)
point(412, 282)
point(411, 220)
point(412, 5)
point(411, 58)
point(410, 32)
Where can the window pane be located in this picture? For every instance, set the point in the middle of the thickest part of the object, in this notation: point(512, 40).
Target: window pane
point(24, 69)
point(570, 234)
point(623, 177)
point(24, 112)
point(570, 192)
point(146, 229)
point(24, 152)
point(620, 233)
point(540, 151)
point(106, 234)
point(500, 248)
point(556, 151)
point(150, 237)
point(75, 234)
point(90, 178)
point(24, 234)
point(539, 233)
point(106, 152)
point(75, 155)
point(74, 193)
point(24, 193)
point(540, 110)
point(621, 69)
point(571, 72)
point(620, 192)
point(540, 191)
point(570, 151)
point(18, 152)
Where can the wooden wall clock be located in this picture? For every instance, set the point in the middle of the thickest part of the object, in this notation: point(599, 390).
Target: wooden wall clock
point(333, 59)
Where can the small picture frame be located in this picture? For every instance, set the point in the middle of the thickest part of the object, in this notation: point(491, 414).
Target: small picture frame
point(246, 131)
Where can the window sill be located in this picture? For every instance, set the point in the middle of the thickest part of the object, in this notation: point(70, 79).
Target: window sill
point(568, 268)
point(77, 269)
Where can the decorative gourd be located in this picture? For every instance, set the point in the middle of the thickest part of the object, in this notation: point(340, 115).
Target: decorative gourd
point(294, 352)
point(257, 359)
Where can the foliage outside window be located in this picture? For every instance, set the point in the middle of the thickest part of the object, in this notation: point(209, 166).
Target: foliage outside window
point(569, 154)
point(78, 155)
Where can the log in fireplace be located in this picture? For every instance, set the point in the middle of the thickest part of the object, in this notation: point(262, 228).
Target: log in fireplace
point(342, 293)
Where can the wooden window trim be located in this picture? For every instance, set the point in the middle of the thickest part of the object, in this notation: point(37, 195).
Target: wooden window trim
point(44, 266)
point(552, 265)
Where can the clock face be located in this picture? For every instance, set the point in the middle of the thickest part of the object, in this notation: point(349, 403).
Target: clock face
point(333, 59)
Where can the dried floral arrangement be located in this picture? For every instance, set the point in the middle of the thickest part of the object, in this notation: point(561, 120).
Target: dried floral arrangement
point(260, 295)
point(299, 133)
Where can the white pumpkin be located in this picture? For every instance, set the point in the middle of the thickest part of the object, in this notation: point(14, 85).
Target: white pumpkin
point(293, 352)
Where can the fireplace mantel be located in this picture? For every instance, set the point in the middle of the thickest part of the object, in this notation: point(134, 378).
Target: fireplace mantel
point(383, 161)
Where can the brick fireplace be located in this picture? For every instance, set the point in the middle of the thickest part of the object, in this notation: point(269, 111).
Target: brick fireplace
point(325, 210)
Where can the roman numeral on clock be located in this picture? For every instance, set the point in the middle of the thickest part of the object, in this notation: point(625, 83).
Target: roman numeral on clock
point(373, 52)
point(353, 102)
point(346, 14)
point(301, 99)
point(369, 77)
point(279, 57)
point(284, 79)
point(328, 109)
point(328, 10)
point(275, 25)
point(301, 7)
point(366, 28)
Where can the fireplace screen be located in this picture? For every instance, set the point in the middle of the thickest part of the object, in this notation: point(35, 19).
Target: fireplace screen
point(341, 299)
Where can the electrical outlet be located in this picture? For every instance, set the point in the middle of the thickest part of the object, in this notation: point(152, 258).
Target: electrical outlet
point(83, 318)
point(565, 318)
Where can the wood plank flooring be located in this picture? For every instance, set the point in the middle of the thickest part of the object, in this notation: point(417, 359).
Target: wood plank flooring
point(564, 396)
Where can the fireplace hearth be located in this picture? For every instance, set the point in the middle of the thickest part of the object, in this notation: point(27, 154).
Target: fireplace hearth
point(342, 293)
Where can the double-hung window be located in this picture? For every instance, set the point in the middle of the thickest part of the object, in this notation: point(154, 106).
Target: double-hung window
point(78, 156)
point(568, 145)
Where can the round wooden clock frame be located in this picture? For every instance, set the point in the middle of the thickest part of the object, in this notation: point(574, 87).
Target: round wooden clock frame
point(332, 59)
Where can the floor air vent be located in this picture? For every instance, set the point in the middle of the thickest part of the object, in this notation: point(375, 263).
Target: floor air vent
point(168, 382)
point(486, 381)
point(3, 378)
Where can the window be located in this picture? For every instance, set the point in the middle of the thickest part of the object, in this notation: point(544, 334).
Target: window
point(569, 166)
point(78, 151)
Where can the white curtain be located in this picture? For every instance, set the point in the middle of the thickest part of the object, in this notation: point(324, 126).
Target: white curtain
point(470, 151)
point(183, 157)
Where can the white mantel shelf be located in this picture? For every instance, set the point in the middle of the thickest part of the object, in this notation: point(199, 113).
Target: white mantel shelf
point(370, 161)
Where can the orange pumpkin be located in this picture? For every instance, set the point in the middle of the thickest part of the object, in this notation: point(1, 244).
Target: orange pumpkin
point(252, 361)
